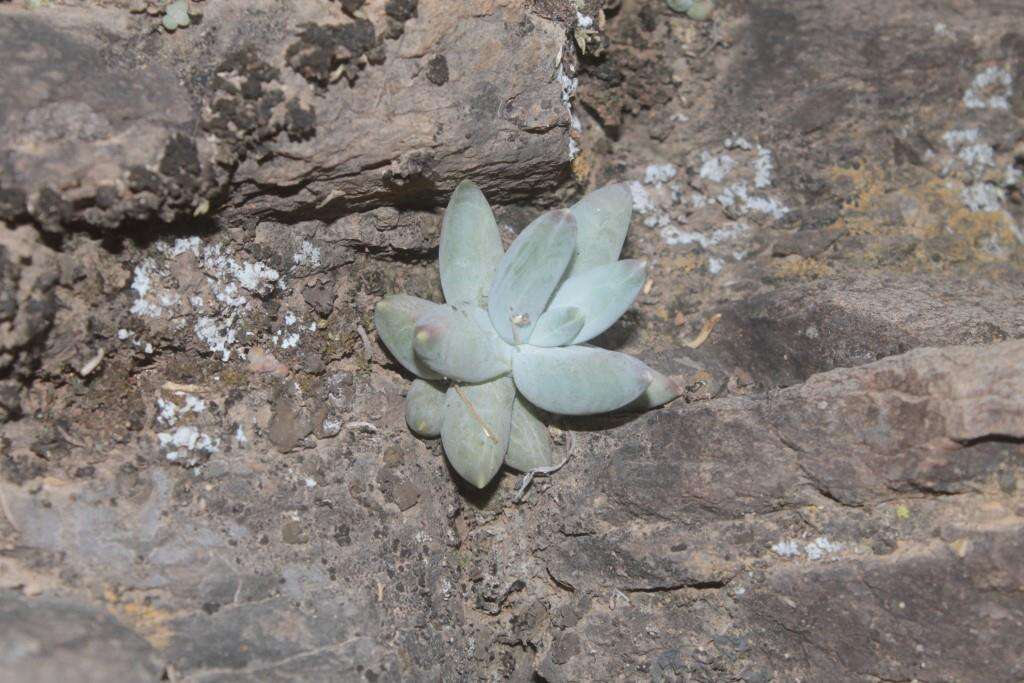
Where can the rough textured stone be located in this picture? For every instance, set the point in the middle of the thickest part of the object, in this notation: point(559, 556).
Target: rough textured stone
point(205, 471)
point(47, 639)
point(109, 121)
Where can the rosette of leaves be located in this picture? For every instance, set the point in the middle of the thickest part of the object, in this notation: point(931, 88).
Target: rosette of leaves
point(511, 339)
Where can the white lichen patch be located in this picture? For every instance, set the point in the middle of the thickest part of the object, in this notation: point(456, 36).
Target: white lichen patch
point(816, 549)
point(976, 158)
point(659, 173)
point(967, 153)
point(673, 235)
point(982, 197)
point(219, 335)
point(715, 168)
point(220, 288)
point(718, 208)
point(735, 178)
point(148, 302)
point(307, 255)
point(288, 336)
point(641, 200)
point(990, 89)
point(569, 85)
point(763, 166)
point(186, 444)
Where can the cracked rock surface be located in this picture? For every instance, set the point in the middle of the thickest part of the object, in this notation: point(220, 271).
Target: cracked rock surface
point(205, 473)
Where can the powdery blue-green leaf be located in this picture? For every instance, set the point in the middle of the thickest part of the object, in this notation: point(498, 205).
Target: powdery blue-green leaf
point(529, 444)
point(176, 15)
point(451, 342)
point(660, 391)
point(483, 321)
point(602, 218)
point(529, 273)
point(578, 380)
point(475, 430)
point(424, 408)
point(603, 294)
point(395, 319)
point(470, 247)
point(558, 326)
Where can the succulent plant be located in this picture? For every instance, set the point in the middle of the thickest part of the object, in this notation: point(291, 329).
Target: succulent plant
point(511, 340)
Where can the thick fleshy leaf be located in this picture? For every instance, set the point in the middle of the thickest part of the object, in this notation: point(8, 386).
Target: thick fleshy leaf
point(529, 444)
point(475, 430)
point(660, 391)
point(602, 218)
point(602, 293)
point(395, 318)
point(424, 408)
point(528, 274)
point(470, 247)
point(557, 326)
point(451, 342)
point(578, 380)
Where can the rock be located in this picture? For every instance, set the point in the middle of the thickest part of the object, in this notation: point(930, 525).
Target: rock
point(324, 148)
point(884, 609)
point(924, 421)
point(49, 639)
point(785, 336)
point(217, 210)
point(726, 483)
point(290, 422)
point(29, 275)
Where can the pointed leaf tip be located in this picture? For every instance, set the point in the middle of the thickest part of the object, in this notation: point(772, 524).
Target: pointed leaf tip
point(470, 247)
point(529, 443)
point(558, 326)
point(603, 217)
point(476, 426)
point(529, 273)
point(660, 391)
point(578, 380)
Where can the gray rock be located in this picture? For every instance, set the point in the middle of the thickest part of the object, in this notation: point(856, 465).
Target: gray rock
point(236, 122)
point(50, 639)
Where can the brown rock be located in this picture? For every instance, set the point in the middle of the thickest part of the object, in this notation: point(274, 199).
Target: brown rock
point(348, 144)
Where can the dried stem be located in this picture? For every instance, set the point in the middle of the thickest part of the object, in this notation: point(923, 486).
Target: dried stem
point(705, 332)
point(476, 416)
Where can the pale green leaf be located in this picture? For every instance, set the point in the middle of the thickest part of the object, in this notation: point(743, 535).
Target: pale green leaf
point(528, 274)
point(660, 391)
point(395, 319)
point(475, 430)
point(452, 342)
point(558, 326)
point(424, 408)
point(578, 380)
point(470, 248)
point(602, 218)
point(603, 294)
point(529, 443)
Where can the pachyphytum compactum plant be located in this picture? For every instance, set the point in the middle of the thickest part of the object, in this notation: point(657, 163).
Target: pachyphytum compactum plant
point(513, 334)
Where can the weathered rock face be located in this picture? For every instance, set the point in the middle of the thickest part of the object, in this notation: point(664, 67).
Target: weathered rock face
point(205, 473)
point(48, 640)
point(271, 110)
